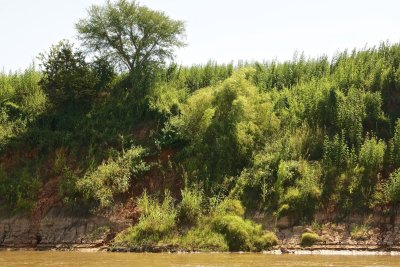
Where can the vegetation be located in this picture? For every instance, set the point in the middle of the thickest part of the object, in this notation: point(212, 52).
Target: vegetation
point(131, 35)
point(309, 239)
point(360, 232)
point(392, 189)
point(112, 177)
point(282, 138)
point(220, 228)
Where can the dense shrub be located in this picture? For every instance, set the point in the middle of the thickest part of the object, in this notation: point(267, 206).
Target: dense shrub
point(22, 101)
point(166, 99)
point(266, 241)
point(360, 232)
point(242, 235)
point(395, 145)
point(392, 187)
point(372, 154)
point(284, 138)
point(19, 190)
point(204, 239)
point(309, 239)
point(299, 190)
point(157, 221)
point(112, 177)
point(190, 208)
point(337, 153)
point(67, 78)
point(230, 206)
point(223, 126)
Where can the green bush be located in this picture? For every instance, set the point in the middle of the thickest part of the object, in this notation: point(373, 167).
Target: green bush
point(351, 113)
point(360, 232)
point(266, 241)
point(299, 189)
point(230, 206)
point(190, 208)
point(237, 232)
point(166, 99)
point(372, 154)
point(112, 177)
point(22, 101)
point(19, 190)
point(392, 187)
point(309, 239)
point(223, 125)
point(203, 239)
point(240, 234)
point(395, 145)
point(336, 152)
point(67, 79)
point(157, 222)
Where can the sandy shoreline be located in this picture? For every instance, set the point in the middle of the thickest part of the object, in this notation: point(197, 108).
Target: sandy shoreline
point(331, 252)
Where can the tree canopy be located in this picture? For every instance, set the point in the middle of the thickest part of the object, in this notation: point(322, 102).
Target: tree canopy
point(67, 78)
point(133, 36)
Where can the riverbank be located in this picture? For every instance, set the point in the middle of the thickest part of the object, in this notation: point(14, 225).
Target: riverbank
point(360, 251)
point(61, 231)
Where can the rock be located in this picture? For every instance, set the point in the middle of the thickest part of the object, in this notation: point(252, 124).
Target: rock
point(52, 231)
point(284, 250)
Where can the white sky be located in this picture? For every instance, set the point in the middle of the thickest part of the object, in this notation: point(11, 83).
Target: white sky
point(222, 30)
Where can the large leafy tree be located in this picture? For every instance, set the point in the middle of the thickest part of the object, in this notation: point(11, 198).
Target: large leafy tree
point(134, 36)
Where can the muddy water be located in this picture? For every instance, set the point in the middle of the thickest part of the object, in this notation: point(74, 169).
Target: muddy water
point(103, 259)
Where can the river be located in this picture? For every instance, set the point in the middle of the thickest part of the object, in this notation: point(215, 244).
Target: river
point(103, 259)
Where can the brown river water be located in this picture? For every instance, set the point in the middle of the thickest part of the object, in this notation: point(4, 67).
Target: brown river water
point(103, 259)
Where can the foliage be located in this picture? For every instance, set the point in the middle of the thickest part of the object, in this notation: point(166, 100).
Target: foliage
point(266, 241)
point(360, 232)
point(299, 196)
point(392, 187)
point(224, 125)
point(134, 36)
point(372, 154)
point(22, 101)
point(19, 190)
point(229, 206)
point(309, 239)
point(337, 153)
point(190, 208)
point(204, 239)
point(67, 78)
point(217, 229)
point(112, 177)
point(166, 99)
point(157, 221)
point(285, 138)
point(242, 235)
point(395, 145)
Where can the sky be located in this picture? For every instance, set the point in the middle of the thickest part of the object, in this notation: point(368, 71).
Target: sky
point(220, 30)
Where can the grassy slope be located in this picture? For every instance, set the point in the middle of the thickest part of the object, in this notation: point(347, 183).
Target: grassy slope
point(286, 138)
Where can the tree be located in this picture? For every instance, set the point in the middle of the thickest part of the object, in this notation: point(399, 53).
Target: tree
point(133, 36)
point(67, 78)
